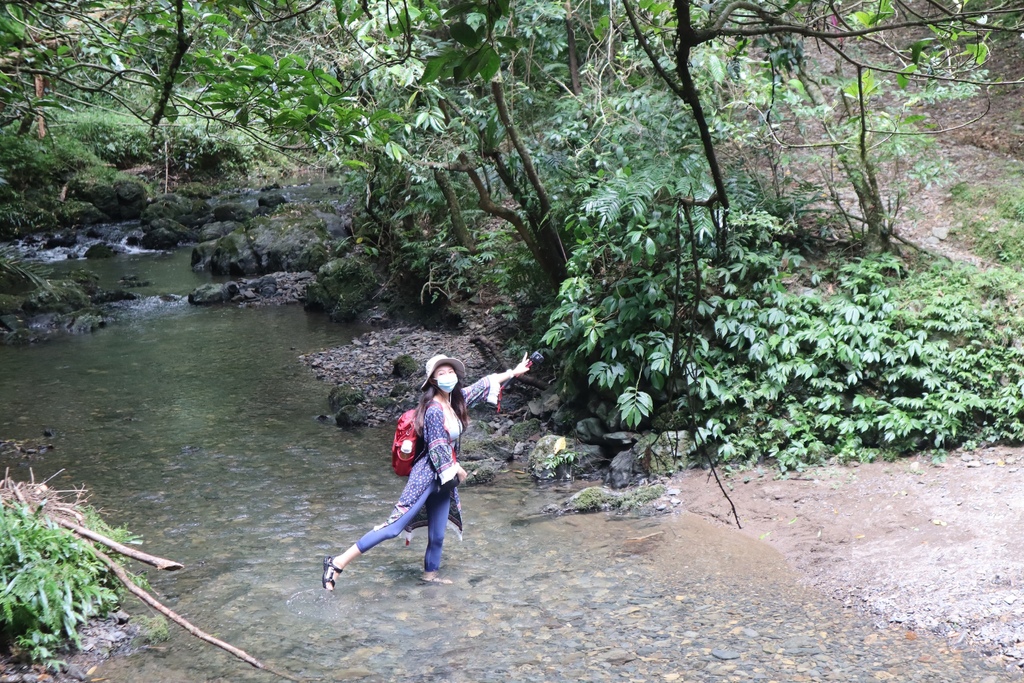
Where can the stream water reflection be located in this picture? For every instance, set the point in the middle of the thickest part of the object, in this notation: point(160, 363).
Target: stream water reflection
point(195, 428)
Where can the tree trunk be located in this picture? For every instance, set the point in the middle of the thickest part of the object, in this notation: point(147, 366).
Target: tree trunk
point(462, 233)
point(574, 67)
point(552, 256)
point(40, 91)
point(687, 39)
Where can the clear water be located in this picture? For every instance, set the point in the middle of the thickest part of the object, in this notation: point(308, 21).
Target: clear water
point(196, 428)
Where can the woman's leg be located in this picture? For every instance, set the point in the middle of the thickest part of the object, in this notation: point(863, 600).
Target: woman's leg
point(438, 504)
point(334, 565)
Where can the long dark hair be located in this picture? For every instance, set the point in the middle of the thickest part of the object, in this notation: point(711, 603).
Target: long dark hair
point(456, 399)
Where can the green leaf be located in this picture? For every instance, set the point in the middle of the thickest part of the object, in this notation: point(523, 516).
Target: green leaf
point(434, 66)
point(464, 33)
point(490, 62)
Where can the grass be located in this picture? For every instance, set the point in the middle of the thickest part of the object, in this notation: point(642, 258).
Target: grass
point(991, 218)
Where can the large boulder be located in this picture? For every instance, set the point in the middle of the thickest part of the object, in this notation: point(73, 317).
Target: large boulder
point(665, 453)
point(231, 212)
point(131, 198)
point(188, 211)
point(217, 229)
point(622, 470)
point(291, 242)
point(548, 459)
point(118, 200)
point(205, 295)
point(344, 288)
point(164, 233)
point(75, 212)
point(61, 297)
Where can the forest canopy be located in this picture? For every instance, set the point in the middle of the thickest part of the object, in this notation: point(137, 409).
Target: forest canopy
point(699, 202)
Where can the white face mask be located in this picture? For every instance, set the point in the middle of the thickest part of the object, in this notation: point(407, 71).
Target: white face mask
point(446, 383)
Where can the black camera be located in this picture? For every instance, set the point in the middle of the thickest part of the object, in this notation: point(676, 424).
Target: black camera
point(534, 359)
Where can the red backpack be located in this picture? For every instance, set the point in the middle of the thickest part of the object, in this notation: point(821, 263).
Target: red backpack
point(405, 435)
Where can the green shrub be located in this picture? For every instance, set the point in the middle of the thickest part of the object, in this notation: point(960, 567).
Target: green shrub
point(52, 584)
point(30, 164)
point(862, 360)
point(119, 140)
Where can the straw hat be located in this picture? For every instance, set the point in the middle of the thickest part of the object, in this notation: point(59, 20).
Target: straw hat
point(460, 369)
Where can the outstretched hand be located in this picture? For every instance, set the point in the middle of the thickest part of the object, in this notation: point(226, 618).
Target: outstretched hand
point(522, 368)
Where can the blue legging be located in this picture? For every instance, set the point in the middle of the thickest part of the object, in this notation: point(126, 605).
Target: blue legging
point(437, 502)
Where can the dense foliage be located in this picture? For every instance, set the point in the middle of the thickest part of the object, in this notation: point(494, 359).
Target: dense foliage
point(647, 174)
point(52, 583)
point(800, 363)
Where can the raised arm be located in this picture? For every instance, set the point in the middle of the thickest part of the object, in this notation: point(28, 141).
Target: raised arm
point(488, 387)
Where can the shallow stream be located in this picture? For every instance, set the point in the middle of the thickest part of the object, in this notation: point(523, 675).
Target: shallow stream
point(195, 427)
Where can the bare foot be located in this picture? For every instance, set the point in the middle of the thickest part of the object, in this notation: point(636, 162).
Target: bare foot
point(432, 577)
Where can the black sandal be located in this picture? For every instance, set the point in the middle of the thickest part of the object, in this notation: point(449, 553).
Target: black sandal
point(329, 578)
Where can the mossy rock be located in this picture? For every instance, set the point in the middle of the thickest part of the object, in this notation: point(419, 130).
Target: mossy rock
point(118, 197)
point(185, 210)
point(521, 431)
point(165, 233)
point(350, 416)
point(405, 366)
point(384, 402)
point(10, 303)
point(153, 630)
point(75, 212)
point(639, 497)
point(344, 395)
point(218, 229)
point(343, 287)
point(83, 322)
point(487, 448)
point(19, 337)
point(546, 451)
point(231, 212)
point(666, 419)
point(481, 471)
point(99, 251)
point(60, 297)
point(285, 243)
point(595, 498)
point(592, 499)
point(85, 278)
point(400, 389)
point(208, 294)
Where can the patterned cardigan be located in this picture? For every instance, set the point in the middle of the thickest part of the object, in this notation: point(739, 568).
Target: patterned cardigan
point(442, 449)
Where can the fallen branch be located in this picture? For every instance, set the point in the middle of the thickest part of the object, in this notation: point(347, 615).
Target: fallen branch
point(644, 538)
point(158, 562)
point(123, 577)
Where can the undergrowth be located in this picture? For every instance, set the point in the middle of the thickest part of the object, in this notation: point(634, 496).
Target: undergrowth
point(798, 364)
point(992, 219)
point(874, 360)
point(52, 582)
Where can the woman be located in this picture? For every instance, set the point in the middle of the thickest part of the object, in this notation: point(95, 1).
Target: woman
point(431, 497)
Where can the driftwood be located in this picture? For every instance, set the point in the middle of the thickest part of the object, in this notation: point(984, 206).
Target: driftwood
point(59, 507)
point(158, 562)
point(123, 577)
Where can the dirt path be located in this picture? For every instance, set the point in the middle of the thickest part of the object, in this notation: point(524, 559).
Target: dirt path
point(929, 547)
